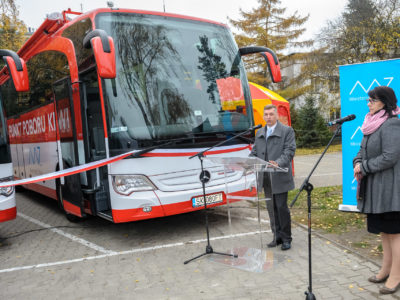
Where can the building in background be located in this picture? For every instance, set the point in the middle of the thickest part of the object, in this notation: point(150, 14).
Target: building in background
point(324, 88)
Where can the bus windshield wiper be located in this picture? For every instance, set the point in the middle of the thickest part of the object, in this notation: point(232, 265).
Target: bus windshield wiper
point(141, 152)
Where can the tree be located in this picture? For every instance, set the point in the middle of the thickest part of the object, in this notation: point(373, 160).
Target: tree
point(385, 39)
point(211, 65)
point(310, 127)
point(267, 25)
point(12, 29)
point(142, 61)
point(366, 30)
point(294, 117)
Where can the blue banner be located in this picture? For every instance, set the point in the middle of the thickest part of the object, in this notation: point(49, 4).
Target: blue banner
point(355, 83)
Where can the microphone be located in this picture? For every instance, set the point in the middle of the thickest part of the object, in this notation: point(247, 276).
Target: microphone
point(341, 120)
point(255, 127)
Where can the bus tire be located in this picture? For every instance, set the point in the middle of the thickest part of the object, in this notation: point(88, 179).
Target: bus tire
point(19, 189)
point(70, 217)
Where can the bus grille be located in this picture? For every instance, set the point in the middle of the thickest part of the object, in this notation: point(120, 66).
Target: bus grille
point(187, 180)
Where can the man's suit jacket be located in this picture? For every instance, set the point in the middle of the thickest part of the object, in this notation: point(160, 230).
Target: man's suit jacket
point(280, 147)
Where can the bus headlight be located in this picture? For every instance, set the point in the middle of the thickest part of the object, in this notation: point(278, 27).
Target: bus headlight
point(6, 191)
point(127, 184)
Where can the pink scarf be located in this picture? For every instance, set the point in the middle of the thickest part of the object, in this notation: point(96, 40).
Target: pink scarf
point(373, 122)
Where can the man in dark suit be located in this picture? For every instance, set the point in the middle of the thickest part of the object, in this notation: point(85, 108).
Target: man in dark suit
point(276, 144)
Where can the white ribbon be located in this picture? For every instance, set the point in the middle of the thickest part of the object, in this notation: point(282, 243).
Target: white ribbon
point(67, 172)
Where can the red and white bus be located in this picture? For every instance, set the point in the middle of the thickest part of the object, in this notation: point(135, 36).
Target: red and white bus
point(116, 80)
point(16, 69)
point(8, 210)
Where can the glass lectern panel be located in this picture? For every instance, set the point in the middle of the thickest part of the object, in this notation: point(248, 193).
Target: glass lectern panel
point(250, 225)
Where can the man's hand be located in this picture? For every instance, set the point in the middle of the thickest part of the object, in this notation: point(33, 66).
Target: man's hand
point(273, 163)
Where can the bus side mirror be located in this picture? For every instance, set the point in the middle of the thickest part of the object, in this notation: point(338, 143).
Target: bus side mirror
point(104, 52)
point(273, 66)
point(270, 57)
point(17, 69)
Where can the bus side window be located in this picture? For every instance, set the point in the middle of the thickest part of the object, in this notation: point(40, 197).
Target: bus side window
point(97, 143)
point(95, 126)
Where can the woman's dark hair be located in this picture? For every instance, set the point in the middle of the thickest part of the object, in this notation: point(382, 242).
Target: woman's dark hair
point(387, 96)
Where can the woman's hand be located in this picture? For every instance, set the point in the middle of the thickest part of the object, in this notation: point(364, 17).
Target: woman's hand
point(357, 169)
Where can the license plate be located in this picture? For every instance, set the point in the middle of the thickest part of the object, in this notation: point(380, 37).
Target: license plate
point(211, 199)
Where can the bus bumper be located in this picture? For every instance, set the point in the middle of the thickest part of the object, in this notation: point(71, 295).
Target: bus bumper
point(148, 205)
point(8, 209)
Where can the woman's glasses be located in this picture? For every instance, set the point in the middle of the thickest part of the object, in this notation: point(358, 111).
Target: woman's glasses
point(372, 101)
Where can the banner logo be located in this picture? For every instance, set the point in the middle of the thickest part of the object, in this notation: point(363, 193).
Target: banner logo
point(358, 83)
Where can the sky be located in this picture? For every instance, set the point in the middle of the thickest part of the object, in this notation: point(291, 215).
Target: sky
point(33, 12)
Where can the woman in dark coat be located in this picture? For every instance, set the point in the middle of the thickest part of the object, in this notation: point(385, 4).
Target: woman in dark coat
point(377, 168)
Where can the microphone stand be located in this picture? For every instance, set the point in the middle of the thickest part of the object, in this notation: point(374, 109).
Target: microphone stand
point(204, 179)
point(309, 187)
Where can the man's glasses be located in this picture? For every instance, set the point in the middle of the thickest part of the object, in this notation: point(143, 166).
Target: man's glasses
point(372, 101)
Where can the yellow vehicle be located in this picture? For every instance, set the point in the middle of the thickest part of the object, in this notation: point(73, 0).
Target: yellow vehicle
point(232, 101)
point(262, 96)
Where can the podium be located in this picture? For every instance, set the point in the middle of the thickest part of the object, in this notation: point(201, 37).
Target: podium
point(246, 202)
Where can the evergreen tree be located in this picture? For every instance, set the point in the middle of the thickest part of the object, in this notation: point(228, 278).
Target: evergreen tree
point(212, 66)
point(310, 127)
point(267, 25)
point(293, 117)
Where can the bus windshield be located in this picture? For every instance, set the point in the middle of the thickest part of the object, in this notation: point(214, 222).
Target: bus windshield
point(175, 78)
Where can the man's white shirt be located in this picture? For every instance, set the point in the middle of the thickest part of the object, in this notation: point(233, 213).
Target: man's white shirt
point(270, 130)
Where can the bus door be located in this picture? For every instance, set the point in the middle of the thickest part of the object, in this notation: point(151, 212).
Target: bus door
point(95, 144)
point(67, 145)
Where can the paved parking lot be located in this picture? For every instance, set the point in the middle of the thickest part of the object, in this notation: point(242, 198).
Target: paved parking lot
point(44, 256)
point(328, 172)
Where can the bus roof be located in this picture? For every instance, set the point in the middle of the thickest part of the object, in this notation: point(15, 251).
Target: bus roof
point(54, 22)
point(148, 12)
